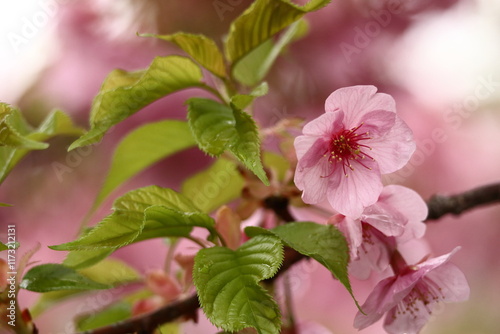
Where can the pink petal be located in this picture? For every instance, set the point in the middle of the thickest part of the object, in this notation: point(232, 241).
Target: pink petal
point(385, 218)
point(378, 122)
point(377, 303)
point(411, 206)
point(408, 323)
point(451, 281)
point(356, 101)
point(302, 144)
point(355, 192)
point(351, 229)
point(310, 173)
point(394, 149)
point(325, 125)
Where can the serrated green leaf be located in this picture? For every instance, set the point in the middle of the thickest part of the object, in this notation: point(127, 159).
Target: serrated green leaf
point(56, 123)
point(143, 147)
point(215, 186)
point(124, 93)
point(110, 315)
point(241, 101)
point(217, 127)
point(201, 48)
point(253, 68)
point(324, 243)
point(262, 20)
point(54, 277)
point(228, 287)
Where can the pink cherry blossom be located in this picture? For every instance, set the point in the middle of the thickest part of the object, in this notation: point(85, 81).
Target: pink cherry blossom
point(342, 153)
point(409, 298)
point(395, 218)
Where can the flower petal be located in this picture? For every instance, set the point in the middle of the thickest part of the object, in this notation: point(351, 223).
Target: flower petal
point(325, 125)
point(377, 303)
point(356, 101)
point(451, 281)
point(394, 149)
point(311, 171)
point(356, 191)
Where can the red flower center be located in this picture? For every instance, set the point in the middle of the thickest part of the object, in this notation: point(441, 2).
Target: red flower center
point(345, 147)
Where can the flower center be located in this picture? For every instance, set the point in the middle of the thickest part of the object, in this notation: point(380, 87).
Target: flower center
point(345, 147)
point(422, 297)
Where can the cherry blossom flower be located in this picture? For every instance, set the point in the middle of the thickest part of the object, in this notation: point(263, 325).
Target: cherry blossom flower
point(342, 153)
point(395, 218)
point(409, 297)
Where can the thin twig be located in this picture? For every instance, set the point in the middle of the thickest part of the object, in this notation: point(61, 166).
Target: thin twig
point(440, 205)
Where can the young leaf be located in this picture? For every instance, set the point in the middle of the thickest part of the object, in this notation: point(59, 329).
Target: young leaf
point(217, 127)
point(143, 147)
point(56, 123)
point(252, 68)
point(14, 130)
point(215, 186)
point(124, 93)
point(228, 287)
point(54, 277)
point(241, 101)
point(201, 48)
point(324, 243)
point(262, 20)
point(3, 247)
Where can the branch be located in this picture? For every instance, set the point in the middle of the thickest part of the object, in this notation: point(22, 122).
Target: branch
point(440, 205)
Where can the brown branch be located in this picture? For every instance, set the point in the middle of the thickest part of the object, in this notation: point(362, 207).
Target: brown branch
point(440, 205)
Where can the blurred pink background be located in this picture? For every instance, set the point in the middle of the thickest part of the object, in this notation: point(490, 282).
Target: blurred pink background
point(439, 60)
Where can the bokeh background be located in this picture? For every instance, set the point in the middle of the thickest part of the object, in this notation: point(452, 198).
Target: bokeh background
point(439, 59)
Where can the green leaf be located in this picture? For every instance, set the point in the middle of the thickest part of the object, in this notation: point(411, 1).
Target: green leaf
point(3, 246)
point(228, 287)
point(56, 123)
point(127, 222)
point(112, 272)
point(54, 277)
point(85, 258)
point(217, 127)
point(324, 243)
point(5, 204)
point(241, 101)
point(110, 315)
point(253, 68)
point(180, 223)
point(124, 93)
point(201, 48)
point(215, 186)
point(14, 130)
point(141, 148)
point(262, 20)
